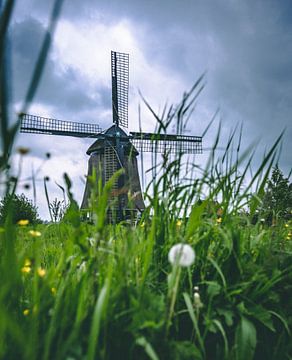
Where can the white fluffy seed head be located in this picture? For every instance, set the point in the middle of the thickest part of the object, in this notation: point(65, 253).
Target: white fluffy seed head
point(182, 255)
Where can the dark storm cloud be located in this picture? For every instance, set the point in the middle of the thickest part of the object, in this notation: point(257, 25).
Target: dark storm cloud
point(65, 90)
point(246, 47)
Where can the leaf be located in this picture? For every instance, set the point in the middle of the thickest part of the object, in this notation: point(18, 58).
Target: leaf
point(228, 316)
point(213, 289)
point(245, 339)
point(147, 347)
point(98, 314)
point(284, 322)
point(216, 266)
point(194, 320)
point(195, 217)
point(221, 329)
point(263, 315)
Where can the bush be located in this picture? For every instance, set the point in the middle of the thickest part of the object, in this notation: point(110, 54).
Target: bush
point(20, 208)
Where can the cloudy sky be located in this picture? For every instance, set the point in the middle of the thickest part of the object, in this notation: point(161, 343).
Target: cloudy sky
point(245, 48)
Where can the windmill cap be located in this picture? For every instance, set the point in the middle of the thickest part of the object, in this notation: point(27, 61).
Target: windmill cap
point(109, 136)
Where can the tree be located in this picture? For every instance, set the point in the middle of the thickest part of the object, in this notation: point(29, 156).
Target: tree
point(20, 208)
point(277, 200)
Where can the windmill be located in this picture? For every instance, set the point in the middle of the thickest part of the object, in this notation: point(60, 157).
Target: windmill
point(114, 148)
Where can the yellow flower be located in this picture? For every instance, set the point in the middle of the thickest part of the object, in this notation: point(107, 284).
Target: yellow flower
point(27, 262)
point(219, 220)
point(26, 269)
point(53, 290)
point(286, 225)
point(25, 312)
point(41, 272)
point(288, 237)
point(23, 222)
point(34, 233)
point(179, 223)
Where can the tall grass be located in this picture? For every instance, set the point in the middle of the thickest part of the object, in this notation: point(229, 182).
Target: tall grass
point(73, 290)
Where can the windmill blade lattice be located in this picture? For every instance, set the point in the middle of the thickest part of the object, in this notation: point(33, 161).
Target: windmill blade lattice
point(42, 125)
point(120, 87)
point(160, 143)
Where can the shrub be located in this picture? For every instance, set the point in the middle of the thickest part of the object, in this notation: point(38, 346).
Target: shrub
point(20, 207)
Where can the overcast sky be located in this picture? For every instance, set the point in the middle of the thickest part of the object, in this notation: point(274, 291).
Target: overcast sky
point(245, 48)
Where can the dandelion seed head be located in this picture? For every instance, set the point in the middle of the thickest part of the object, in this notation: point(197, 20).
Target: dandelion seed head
point(182, 255)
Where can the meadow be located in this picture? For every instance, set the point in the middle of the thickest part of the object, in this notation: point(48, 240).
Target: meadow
point(91, 290)
point(79, 290)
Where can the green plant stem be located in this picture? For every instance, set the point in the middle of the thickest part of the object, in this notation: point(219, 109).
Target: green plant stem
point(176, 272)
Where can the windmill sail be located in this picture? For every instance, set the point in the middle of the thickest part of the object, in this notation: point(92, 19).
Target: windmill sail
point(120, 87)
point(160, 143)
point(42, 125)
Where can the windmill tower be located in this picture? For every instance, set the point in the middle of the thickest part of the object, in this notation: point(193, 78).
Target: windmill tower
point(114, 148)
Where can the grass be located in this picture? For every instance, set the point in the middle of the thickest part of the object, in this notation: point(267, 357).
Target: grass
point(73, 290)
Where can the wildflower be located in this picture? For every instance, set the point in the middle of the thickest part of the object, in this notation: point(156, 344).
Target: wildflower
point(179, 223)
point(286, 225)
point(262, 220)
point(23, 150)
point(53, 290)
point(27, 262)
point(41, 272)
point(25, 312)
point(288, 237)
point(26, 269)
point(219, 220)
point(23, 222)
point(34, 233)
point(181, 254)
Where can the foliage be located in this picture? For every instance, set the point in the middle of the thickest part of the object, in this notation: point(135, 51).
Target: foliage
point(277, 200)
point(19, 207)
